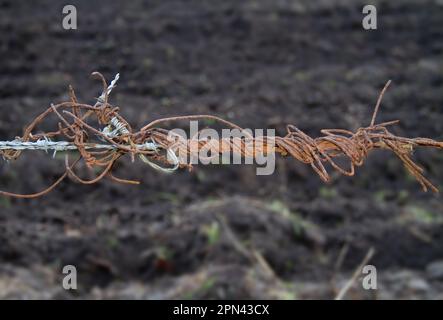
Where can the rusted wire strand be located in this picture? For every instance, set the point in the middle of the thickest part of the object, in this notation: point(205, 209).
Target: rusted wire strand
point(78, 125)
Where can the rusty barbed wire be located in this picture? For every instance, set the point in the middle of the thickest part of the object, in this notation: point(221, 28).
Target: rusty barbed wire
point(78, 129)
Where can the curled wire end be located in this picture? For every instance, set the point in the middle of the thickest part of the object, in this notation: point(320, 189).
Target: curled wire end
point(171, 157)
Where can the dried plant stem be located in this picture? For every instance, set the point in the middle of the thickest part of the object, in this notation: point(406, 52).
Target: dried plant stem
point(355, 275)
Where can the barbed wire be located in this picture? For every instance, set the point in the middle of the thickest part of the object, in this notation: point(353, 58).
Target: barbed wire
point(78, 129)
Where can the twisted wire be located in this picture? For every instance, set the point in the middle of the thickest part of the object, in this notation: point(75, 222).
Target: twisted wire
point(79, 129)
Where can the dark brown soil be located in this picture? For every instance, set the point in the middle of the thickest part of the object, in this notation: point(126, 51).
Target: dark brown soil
point(222, 231)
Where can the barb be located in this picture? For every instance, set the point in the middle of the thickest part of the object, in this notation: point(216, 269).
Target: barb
point(79, 130)
point(107, 91)
point(377, 106)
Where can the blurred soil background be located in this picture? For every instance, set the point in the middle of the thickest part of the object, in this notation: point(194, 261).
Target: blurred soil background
point(221, 231)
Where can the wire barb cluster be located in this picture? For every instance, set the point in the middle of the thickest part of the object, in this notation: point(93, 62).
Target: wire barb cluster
point(79, 129)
